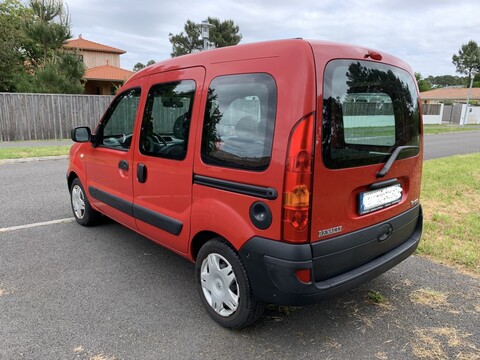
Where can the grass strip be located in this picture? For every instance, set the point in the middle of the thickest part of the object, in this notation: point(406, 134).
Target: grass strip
point(441, 129)
point(451, 205)
point(32, 152)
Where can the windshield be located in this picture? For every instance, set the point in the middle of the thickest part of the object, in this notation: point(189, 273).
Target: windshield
point(369, 109)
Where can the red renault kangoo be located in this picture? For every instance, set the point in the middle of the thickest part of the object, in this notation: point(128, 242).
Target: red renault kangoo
point(288, 171)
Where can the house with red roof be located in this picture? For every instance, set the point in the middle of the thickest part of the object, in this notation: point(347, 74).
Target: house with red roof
point(449, 105)
point(451, 95)
point(103, 75)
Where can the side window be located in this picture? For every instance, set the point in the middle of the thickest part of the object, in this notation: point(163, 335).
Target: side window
point(239, 121)
point(116, 130)
point(166, 120)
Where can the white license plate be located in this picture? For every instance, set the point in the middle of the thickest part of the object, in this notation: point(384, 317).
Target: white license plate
point(379, 199)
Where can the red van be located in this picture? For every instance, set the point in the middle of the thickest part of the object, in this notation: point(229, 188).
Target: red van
point(288, 171)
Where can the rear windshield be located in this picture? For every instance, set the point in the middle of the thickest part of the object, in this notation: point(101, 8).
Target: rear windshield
point(369, 109)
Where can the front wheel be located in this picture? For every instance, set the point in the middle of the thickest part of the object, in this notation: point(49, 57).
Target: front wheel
point(83, 212)
point(224, 286)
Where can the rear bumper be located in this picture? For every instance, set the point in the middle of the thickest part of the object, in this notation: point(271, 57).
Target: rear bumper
point(271, 264)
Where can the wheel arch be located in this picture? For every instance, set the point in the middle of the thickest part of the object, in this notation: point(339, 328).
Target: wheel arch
point(70, 177)
point(201, 239)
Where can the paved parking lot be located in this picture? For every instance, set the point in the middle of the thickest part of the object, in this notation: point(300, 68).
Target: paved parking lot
point(68, 292)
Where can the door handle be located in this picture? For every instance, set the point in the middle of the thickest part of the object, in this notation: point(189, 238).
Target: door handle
point(123, 164)
point(141, 173)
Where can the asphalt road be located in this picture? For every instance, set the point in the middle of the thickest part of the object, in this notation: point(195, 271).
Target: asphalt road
point(448, 144)
point(69, 292)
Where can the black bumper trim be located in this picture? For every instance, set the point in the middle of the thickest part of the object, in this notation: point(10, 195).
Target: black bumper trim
point(114, 201)
point(343, 253)
point(271, 267)
point(161, 221)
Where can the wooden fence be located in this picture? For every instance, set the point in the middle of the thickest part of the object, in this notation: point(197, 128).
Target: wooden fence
point(47, 116)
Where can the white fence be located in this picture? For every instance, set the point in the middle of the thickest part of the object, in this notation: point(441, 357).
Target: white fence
point(432, 114)
point(473, 116)
point(452, 114)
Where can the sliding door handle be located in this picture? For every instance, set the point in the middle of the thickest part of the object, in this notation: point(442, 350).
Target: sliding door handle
point(141, 173)
point(123, 165)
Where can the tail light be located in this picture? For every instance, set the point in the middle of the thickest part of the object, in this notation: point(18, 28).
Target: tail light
point(298, 182)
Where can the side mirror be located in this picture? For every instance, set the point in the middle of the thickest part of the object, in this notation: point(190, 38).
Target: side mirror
point(81, 134)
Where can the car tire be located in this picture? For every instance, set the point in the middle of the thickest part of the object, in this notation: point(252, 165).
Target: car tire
point(224, 287)
point(82, 210)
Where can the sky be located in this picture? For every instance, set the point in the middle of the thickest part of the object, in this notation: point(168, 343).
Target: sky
point(424, 33)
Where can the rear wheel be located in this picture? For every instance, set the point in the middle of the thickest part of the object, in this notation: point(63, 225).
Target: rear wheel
point(224, 286)
point(83, 212)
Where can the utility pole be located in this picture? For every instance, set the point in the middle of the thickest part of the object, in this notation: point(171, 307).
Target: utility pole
point(205, 33)
point(472, 76)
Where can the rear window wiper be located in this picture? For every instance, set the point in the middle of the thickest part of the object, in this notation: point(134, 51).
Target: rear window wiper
point(392, 159)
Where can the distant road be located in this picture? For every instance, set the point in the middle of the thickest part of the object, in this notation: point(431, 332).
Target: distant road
point(448, 144)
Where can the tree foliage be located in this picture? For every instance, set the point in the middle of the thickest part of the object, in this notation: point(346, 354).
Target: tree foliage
point(186, 43)
point(32, 57)
point(436, 82)
point(467, 61)
point(48, 29)
point(59, 77)
point(139, 66)
point(445, 81)
point(224, 33)
point(12, 13)
point(423, 84)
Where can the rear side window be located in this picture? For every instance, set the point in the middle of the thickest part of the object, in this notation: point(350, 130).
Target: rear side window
point(369, 109)
point(239, 121)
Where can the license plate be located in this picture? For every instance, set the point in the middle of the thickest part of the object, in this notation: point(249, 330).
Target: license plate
point(379, 199)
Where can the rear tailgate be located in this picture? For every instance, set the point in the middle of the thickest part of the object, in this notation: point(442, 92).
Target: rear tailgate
point(367, 111)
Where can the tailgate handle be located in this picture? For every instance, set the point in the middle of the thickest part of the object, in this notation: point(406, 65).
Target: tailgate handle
point(383, 184)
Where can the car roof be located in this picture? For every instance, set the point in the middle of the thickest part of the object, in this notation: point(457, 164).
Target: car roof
point(227, 54)
point(274, 48)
